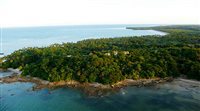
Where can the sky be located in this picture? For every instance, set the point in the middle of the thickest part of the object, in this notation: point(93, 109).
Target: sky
point(14, 13)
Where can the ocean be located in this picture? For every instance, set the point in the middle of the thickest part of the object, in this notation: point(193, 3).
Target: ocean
point(173, 96)
point(22, 37)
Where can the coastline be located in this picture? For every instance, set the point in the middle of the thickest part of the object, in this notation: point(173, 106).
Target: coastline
point(97, 89)
point(149, 28)
point(90, 89)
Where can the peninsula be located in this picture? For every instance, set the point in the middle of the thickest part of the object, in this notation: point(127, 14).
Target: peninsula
point(111, 60)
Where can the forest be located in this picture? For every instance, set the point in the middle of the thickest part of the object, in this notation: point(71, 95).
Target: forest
point(109, 60)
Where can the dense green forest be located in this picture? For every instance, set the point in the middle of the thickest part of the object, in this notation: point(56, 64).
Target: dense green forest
point(109, 60)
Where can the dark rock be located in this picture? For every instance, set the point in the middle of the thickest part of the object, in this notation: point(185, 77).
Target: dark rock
point(12, 94)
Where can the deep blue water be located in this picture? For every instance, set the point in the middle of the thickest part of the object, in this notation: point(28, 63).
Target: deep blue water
point(17, 38)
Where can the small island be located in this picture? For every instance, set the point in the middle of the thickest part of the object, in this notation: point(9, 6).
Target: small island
point(112, 61)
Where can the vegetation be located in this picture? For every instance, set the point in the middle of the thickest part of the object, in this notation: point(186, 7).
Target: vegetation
point(114, 59)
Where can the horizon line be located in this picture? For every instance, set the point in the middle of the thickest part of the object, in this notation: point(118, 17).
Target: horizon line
point(28, 26)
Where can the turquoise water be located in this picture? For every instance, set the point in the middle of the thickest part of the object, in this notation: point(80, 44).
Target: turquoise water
point(5, 74)
point(166, 97)
point(16, 38)
point(173, 96)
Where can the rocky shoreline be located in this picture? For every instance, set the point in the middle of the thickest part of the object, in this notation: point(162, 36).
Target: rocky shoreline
point(90, 89)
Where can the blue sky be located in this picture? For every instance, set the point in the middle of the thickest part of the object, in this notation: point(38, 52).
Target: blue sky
point(77, 12)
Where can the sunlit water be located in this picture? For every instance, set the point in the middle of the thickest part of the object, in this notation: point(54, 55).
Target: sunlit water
point(172, 96)
point(17, 38)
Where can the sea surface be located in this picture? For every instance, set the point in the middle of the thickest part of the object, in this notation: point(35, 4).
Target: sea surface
point(17, 38)
point(173, 96)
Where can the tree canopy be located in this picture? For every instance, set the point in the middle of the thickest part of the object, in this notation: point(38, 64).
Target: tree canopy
point(109, 60)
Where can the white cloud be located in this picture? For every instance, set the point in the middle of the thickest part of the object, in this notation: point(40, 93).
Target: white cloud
point(70, 12)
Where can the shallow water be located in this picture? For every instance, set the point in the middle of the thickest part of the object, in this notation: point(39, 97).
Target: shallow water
point(164, 97)
point(5, 74)
point(17, 38)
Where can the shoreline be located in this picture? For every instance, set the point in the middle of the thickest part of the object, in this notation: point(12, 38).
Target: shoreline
point(89, 89)
point(40, 83)
point(95, 89)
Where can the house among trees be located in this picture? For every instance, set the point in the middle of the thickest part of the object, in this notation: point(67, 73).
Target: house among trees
point(107, 54)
